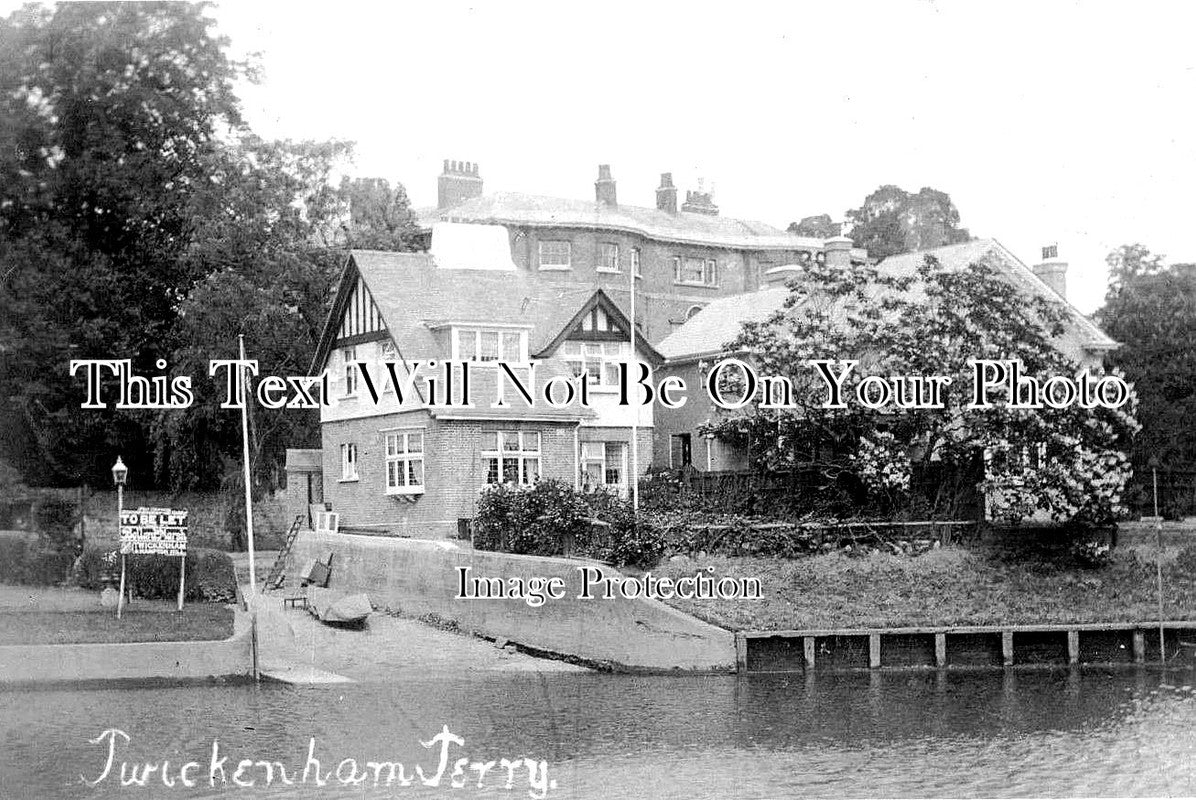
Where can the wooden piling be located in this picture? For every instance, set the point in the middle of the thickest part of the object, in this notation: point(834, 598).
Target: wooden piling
point(740, 654)
point(1073, 647)
point(808, 647)
point(940, 649)
point(1007, 647)
point(1139, 647)
point(874, 651)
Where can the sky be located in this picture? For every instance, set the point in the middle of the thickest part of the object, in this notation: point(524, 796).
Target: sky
point(1046, 122)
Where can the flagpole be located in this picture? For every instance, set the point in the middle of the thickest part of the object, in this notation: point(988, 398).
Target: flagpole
point(635, 447)
point(245, 457)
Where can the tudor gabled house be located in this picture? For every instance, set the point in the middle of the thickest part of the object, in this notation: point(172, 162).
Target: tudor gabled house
point(414, 468)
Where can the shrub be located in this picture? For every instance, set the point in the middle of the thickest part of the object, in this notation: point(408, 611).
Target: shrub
point(24, 562)
point(530, 520)
point(54, 519)
point(540, 519)
point(210, 578)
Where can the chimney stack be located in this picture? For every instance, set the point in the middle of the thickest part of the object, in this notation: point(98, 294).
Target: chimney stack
point(700, 202)
point(838, 251)
point(1052, 270)
point(459, 182)
point(666, 194)
point(604, 187)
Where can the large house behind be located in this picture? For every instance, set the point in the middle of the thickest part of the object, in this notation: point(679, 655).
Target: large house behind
point(415, 465)
point(683, 256)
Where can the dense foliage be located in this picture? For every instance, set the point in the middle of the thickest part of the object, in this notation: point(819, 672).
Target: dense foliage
point(1151, 310)
point(1067, 462)
point(551, 518)
point(210, 576)
point(141, 219)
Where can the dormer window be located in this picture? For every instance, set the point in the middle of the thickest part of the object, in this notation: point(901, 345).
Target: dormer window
point(488, 345)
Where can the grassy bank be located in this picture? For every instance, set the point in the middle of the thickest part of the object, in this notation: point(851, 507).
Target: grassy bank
point(977, 585)
point(73, 616)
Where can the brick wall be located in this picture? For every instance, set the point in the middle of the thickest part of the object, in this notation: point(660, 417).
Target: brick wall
point(686, 419)
point(453, 471)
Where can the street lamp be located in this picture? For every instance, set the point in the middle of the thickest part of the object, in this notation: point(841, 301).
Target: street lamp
point(120, 474)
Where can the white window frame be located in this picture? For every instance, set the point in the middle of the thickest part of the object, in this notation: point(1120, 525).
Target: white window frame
point(349, 471)
point(604, 264)
point(402, 458)
point(349, 355)
point(463, 337)
point(523, 454)
point(555, 262)
point(604, 459)
point(579, 354)
point(708, 266)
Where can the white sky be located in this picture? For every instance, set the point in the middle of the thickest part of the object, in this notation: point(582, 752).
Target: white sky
point(1043, 121)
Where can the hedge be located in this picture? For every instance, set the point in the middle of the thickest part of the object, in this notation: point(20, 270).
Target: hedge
point(210, 576)
point(24, 562)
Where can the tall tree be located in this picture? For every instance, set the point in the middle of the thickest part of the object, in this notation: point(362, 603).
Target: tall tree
point(109, 113)
point(1151, 310)
point(820, 227)
point(380, 217)
point(893, 221)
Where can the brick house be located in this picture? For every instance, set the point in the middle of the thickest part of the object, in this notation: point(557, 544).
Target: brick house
point(702, 340)
point(683, 256)
point(413, 465)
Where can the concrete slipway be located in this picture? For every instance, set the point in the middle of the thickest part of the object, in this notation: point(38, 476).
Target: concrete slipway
point(420, 577)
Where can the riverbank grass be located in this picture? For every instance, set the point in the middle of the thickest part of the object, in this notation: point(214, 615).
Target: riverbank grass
point(35, 615)
point(974, 585)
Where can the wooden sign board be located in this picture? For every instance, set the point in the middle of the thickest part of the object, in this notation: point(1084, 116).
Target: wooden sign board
point(154, 530)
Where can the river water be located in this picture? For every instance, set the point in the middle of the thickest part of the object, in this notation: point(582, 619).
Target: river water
point(987, 733)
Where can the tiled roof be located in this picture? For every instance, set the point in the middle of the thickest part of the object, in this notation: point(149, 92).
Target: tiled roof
point(417, 299)
point(720, 321)
point(513, 208)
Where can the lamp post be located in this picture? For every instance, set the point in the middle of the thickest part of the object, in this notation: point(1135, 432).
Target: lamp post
point(120, 474)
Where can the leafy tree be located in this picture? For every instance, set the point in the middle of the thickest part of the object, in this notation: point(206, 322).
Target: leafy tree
point(108, 115)
point(380, 218)
point(267, 249)
point(893, 221)
point(1151, 310)
point(1067, 462)
point(820, 227)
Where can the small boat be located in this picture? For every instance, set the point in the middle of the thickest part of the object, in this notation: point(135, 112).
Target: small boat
point(338, 609)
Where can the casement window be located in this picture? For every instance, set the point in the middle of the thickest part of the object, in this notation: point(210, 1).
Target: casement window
point(635, 262)
point(348, 462)
point(695, 271)
point(608, 257)
point(511, 456)
point(599, 360)
point(486, 345)
point(556, 255)
point(405, 462)
point(348, 356)
point(603, 465)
